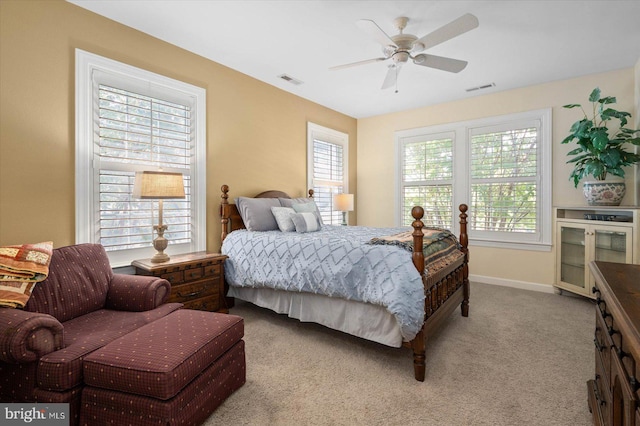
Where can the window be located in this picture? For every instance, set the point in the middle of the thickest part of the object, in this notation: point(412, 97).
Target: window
point(129, 120)
point(499, 166)
point(327, 152)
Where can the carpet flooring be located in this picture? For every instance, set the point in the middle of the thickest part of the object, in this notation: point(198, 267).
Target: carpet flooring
point(520, 358)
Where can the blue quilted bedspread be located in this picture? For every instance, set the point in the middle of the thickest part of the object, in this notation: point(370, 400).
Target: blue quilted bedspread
point(336, 262)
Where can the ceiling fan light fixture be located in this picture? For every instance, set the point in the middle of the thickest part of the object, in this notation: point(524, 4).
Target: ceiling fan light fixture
point(419, 59)
point(401, 57)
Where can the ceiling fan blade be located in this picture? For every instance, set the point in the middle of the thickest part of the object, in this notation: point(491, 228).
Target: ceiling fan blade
point(439, 62)
point(355, 64)
point(392, 76)
point(465, 23)
point(373, 30)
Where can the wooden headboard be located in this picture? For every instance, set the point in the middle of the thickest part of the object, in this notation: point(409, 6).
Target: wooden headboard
point(229, 215)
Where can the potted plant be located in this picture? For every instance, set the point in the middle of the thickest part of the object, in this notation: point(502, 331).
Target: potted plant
point(599, 154)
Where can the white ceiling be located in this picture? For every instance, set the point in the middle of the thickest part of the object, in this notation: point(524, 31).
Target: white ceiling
point(518, 43)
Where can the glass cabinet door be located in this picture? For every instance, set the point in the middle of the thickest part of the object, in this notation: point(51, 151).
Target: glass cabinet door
point(573, 265)
point(612, 245)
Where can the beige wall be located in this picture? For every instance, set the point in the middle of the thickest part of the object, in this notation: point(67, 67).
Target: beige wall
point(256, 133)
point(377, 183)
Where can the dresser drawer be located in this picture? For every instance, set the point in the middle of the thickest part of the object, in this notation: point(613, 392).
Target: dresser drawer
point(192, 274)
point(210, 303)
point(603, 341)
point(173, 277)
point(603, 395)
point(213, 270)
point(188, 291)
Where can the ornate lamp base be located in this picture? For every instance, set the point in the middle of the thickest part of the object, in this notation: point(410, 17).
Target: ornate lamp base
point(160, 244)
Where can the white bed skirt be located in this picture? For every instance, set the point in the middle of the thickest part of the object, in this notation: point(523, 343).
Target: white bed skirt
point(371, 322)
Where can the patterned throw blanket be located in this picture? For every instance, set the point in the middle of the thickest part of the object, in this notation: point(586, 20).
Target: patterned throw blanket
point(440, 247)
point(21, 267)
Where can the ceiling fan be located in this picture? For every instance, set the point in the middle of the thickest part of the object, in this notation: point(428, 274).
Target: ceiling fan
point(402, 47)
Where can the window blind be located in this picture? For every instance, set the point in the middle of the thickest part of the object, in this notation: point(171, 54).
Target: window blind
point(137, 132)
point(504, 181)
point(427, 172)
point(328, 178)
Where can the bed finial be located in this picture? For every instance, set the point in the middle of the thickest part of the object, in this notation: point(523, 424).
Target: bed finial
point(311, 192)
point(225, 193)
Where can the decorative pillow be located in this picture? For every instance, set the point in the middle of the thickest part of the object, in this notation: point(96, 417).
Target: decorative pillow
point(289, 202)
point(283, 218)
point(305, 222)
point(256, 213)
point(21, 267)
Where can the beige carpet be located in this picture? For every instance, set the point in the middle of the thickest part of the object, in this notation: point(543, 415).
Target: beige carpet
point(521, 358)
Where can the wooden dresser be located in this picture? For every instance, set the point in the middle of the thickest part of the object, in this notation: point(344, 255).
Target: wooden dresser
point(613, 393)
point(197, 279)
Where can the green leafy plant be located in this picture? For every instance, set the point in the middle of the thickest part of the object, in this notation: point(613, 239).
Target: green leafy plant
point(599, 154)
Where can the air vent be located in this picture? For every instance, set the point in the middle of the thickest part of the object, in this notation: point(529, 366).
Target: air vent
point(290, 79)
point(484, 86)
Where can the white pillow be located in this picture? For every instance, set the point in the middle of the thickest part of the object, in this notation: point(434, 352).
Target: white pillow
point(289, 202)
point(283, 218)
point(305, 222)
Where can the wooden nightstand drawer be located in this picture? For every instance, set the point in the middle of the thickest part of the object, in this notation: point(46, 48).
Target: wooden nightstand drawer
point(173, 277)
point(213, 270)
point(189, 291)
point(211, 303)
point(197, 279)
point(193, 274)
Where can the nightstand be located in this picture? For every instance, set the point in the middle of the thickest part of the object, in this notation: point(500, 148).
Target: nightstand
point(197, 279)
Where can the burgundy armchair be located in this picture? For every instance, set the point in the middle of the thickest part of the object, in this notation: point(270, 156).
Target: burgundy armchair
point(79, 308)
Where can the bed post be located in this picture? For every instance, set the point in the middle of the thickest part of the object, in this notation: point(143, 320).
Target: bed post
point(464, 242)
point(224, 213)
point(311, 192)
point(418, 256)
point(418, 342)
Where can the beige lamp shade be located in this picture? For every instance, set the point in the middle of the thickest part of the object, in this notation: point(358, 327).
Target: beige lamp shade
point(158, 185)
point(343, 202)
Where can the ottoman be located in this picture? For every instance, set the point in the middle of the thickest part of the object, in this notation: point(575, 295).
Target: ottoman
point(174, 371)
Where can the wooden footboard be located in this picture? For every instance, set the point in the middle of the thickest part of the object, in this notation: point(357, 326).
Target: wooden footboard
point(443, 295)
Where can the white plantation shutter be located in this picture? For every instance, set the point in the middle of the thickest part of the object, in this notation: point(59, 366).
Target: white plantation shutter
point(504, 180)
point(131, 120)
point(328, 151)
point(140, 130)
point(427, 179)
point(499, 166)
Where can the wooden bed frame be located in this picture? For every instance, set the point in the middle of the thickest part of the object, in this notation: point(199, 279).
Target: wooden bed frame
point(443, 291)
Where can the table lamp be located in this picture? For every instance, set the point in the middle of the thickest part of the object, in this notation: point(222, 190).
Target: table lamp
point(343, 203)
point(159, 186)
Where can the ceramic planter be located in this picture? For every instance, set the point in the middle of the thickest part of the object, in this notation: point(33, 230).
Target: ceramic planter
point(604, 193)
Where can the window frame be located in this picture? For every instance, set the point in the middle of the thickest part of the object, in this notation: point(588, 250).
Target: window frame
point(463, 131)
point(316, 131)
point(89, 67)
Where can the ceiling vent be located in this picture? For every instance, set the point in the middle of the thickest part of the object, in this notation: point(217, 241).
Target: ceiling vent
point(484, 86)
point(290, 79)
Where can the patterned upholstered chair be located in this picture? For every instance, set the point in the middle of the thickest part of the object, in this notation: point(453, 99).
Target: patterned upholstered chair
point(78, 309)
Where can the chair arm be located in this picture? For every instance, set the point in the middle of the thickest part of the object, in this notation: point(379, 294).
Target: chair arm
point(27, 336)
point(137, 293)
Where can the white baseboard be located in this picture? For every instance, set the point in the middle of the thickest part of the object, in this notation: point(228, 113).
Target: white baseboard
point(523, 285)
